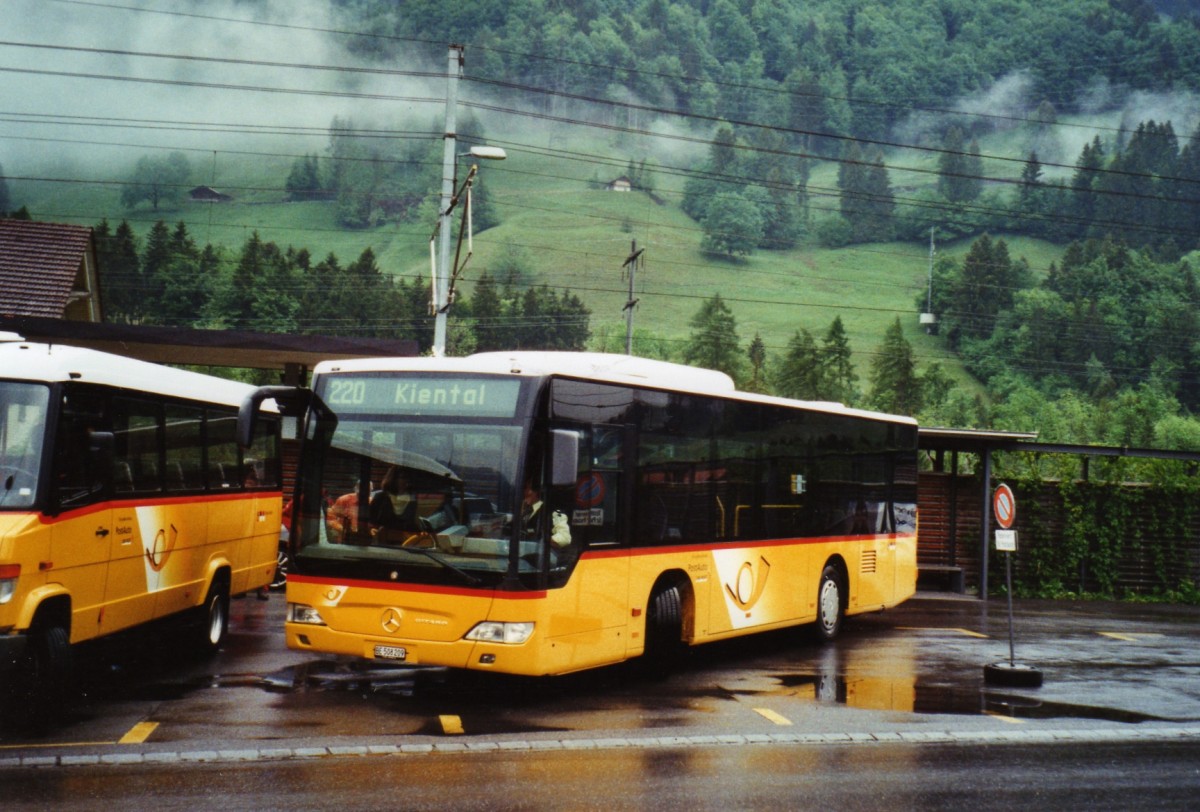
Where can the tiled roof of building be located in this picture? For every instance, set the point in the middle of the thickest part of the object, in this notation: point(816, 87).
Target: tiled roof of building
point(39, 263)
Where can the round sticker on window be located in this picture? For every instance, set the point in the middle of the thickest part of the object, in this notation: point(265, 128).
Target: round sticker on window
point(589, 491)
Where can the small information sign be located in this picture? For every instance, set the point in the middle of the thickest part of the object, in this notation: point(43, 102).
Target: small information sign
point(1006, 541)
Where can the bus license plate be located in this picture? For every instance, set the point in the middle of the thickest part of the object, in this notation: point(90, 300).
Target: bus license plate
point(390, 653)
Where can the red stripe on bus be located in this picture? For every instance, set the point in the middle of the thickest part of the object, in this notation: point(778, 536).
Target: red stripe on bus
point(748, 545)
point(155, 502)
point(294, 578)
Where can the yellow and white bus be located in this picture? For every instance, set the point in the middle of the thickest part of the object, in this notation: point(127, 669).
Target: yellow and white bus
point(124, 498)
point(671, 510)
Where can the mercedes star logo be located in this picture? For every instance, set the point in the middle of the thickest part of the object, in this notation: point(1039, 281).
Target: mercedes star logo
point(391, 620)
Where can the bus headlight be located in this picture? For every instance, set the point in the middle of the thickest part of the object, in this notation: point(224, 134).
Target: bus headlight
point(8, 581)
point(491, 631)
point(300, 613)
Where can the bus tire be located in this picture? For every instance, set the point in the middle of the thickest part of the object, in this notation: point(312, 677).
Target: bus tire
point(214, 619)
point(830, 604)
point(282, 562)
point(664, 631)
point(41, 685)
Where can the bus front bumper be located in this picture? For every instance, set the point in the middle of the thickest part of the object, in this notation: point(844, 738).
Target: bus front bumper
point(453, 654)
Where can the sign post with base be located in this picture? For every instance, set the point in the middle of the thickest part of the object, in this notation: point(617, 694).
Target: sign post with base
point(1004, 508)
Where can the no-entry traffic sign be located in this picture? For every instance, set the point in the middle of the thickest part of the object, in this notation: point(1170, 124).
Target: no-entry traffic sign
point(1004, 506)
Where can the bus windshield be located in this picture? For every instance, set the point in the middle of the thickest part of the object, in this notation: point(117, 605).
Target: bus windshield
point(410, 491)
point(22, 427)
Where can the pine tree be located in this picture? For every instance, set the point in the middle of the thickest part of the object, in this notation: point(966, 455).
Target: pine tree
point(877, 223)
point(952, 182)
point(487, 314)
point(713, 342)
point(155, 259)
point(1031, 195)
point(758, 360)
point(1083, 185)
point(895, 385)
point(850, 182)
point(840, 379)
point(800, 373)
point(304, 180)
point(122, 294)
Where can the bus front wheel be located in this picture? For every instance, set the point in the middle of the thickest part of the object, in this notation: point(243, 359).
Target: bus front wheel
point(664, 630)
point(829, 603)
point(38, 693)
point(214, 619)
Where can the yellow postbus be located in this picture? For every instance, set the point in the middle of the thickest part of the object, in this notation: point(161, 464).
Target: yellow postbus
point(124, 498)
point(541, 513)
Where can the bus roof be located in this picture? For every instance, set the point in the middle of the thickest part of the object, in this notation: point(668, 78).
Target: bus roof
point(591, 365)
point(50, 363)
point(607, 367)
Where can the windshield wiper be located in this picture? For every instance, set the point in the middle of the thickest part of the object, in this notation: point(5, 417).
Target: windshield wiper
point(467, 577)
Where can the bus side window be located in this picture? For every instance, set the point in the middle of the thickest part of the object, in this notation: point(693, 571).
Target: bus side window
point(262, 461)
point(222, 451)
point(185, 448)
point(137, 440)
point(79, 478)
point(593, 505)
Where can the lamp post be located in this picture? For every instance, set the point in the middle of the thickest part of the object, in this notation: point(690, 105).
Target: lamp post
point(445, 271)
point(442, 272)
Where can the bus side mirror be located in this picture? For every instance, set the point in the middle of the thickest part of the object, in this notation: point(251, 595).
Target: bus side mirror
point(291, 400)
point(564, 457)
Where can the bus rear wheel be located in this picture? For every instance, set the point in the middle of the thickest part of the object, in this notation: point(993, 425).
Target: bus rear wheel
point(829, 604)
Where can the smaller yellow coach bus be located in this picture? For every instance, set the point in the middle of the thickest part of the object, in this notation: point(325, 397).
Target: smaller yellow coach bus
point(124, 498)
point(541, 513)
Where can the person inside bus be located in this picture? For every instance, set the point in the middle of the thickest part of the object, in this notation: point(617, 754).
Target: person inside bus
point(342, 516)
point(394, 507)
point(531, 510)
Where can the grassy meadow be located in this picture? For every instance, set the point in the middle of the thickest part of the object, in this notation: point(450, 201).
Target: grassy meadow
point(567, 232)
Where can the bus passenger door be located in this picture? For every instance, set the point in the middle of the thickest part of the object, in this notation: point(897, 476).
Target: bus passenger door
point(596, 615)
point(134, 465)
point(81, 535)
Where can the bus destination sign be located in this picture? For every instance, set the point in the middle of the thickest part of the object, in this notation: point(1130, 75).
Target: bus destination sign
point(421, 395)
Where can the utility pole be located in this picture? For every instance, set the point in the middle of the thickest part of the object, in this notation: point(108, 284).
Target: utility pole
point(441, 271)
point(928, 319)
point(929, 296)
point(631, 263)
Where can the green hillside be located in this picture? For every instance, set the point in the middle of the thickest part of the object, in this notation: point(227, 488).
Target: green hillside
point(572, 235)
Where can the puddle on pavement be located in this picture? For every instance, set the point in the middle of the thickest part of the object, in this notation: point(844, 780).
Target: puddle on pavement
point(327, 675)
point(909, 696)
point(904, 695)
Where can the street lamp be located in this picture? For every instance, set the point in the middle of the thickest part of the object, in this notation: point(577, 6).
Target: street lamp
point(443, 273)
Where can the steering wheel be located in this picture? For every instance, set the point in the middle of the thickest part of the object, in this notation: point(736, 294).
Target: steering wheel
point(420, 539)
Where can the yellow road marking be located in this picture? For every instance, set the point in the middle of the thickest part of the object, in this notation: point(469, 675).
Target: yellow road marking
point(967, 632)
point(451, 725)
point(772, 716)
point(139, 733)
point(1004, 718)
point(1129, 638)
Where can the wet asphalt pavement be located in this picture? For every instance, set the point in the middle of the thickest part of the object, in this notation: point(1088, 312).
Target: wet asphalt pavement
point(915, 674)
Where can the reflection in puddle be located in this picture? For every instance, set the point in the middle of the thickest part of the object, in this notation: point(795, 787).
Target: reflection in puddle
point(327, 675)
point(908, 696)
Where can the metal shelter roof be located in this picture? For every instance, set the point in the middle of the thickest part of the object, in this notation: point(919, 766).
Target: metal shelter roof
point(230, 348)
